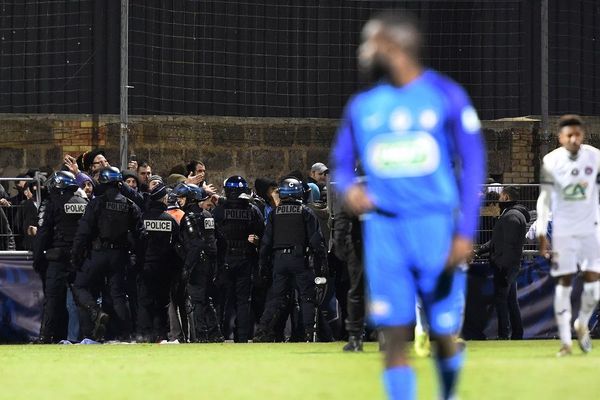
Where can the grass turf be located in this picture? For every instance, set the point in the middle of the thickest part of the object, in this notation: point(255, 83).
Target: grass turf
point(494, 370)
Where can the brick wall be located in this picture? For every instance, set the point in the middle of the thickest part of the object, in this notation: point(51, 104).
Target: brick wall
point(251, 147)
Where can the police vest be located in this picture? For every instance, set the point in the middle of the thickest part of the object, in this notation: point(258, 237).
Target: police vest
point(201, 225)
point(113, 219)
point(288, 226)
point(66, 208)
point(236, 227)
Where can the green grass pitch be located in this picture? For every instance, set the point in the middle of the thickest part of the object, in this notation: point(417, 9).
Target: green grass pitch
point(494, 370)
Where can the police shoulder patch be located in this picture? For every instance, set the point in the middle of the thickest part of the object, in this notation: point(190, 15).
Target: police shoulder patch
point(74, 208)
point(157, 225)
point(209, 223)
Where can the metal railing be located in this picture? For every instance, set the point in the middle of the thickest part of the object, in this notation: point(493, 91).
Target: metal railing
point(12, 224)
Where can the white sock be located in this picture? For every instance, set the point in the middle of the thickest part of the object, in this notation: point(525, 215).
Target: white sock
point(589, 300)
point(562, 312)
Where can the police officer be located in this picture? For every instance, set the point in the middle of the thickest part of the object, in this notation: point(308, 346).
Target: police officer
point(155, 260)
point(347, 235)
point(291, 236)
point(242, 226)
point(101, 252)
point(200, 243)
point(58, 218)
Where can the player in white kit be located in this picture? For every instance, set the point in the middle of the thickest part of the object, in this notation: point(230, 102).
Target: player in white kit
point(569, 189)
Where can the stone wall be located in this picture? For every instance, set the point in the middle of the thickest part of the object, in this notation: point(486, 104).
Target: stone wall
point(251, 147)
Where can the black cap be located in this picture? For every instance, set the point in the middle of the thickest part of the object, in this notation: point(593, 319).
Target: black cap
point(158, 192)
point(88, 158)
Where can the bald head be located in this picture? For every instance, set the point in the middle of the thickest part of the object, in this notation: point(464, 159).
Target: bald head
point(389, 41)
point(400, 28)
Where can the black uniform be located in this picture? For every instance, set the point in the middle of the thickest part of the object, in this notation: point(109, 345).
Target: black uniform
point(200, 243)
point(237, 220)
point(156, 259)
point(58, 219)
point(103, 234)
point(292, 233)
point(347, 236)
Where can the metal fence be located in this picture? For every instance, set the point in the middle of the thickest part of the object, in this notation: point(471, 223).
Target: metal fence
point(528, 194)
point(18, 211)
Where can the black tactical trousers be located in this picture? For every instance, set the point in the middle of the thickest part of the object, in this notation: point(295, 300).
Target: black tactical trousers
point(154, 283)
point(55, 317)
point(178, 322)
point(291, 269)
point(203, 313)
point(105, 265)
point(355, 321)
point(506, 302)
point(235, 284)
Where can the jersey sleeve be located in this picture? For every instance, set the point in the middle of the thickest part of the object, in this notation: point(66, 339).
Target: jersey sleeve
point(546, 177)
point(465, 130)
point(344, 154)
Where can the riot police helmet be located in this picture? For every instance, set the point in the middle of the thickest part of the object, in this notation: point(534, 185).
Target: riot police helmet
point(110, 175)
point(62, 180)
point(182, 190)
point(236, 186)
point(198, 193)
point(291, 189)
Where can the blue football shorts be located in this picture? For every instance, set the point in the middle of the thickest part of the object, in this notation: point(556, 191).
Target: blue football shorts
point(405, 258)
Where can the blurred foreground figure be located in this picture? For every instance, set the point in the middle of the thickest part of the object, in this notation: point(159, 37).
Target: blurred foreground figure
point(418, 139)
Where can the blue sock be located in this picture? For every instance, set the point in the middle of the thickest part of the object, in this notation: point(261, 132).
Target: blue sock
point(448, 369)
point(400, 383)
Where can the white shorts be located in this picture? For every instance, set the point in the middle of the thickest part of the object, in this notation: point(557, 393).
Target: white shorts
point(569, 252)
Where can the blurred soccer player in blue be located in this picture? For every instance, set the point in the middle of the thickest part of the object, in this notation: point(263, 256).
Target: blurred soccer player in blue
point(418, 139)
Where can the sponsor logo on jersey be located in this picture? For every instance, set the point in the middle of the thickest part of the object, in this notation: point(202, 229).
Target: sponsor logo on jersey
point(470, 120)
point(75, 208)
point(400, 120)
point(413, 154)
point(119, 207)
point(428, 119)
point(575, 172)
point(575, 191)
point(288, 209)
point(209, 223)
point(233, 213)
point(589, 170)
point(157, 225)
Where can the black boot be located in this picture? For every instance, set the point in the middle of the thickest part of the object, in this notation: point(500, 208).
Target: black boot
point(100, 324)
point(355, 343)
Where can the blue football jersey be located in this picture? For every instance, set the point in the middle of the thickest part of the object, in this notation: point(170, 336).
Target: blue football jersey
point(420, 147)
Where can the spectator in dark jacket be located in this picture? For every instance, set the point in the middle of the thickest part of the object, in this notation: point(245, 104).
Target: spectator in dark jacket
point(7, 241)
point(506, 249)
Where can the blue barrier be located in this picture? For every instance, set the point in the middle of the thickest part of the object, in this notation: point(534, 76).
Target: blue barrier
point(21, 301)
point(536, 296)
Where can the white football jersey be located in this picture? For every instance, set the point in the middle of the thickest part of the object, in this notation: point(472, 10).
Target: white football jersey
point(575, 190)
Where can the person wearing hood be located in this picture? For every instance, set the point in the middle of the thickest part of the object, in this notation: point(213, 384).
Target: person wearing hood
point(505, 249)
point(265, 197)
point(86, 184)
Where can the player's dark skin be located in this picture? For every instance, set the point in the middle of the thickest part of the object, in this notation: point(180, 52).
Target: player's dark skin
point(403, 66)
point(571, 137)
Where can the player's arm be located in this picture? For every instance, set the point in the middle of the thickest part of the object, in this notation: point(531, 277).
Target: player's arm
point(465, 130)
point(471, 155)
point(543, 205)
point(344, 157)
